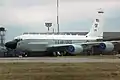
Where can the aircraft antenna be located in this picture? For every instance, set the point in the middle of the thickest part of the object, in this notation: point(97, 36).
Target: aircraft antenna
point(58, 16)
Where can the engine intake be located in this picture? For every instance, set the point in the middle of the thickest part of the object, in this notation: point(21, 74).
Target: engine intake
point(106, 46)
point(74, 49)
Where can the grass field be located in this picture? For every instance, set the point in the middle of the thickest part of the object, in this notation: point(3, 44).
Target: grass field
point(59, 71)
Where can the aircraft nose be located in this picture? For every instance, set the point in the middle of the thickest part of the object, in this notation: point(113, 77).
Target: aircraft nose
point(11, 44)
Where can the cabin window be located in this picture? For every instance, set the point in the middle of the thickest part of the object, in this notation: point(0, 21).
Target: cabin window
point(18, 40)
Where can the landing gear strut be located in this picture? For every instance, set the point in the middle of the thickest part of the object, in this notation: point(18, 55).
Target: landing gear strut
point(57, 53)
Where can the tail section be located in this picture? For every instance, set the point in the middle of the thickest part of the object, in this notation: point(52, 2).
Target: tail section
point(97, 27)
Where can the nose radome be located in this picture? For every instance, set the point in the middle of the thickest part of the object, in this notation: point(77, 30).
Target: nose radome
point(11, 44)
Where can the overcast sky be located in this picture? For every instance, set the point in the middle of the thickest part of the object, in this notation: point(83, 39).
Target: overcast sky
point(19, 16)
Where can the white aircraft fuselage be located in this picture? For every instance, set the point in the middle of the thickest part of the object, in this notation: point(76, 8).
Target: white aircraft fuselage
point(40, 42)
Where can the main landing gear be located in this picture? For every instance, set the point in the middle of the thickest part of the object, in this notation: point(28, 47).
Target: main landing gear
point(58, 53)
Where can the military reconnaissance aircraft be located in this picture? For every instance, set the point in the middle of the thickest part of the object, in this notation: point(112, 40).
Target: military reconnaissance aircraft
point(52, 44)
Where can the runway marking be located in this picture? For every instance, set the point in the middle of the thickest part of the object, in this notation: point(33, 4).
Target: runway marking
point(56, 60)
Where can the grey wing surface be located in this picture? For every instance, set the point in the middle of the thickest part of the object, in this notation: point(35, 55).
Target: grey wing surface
point(79, 47)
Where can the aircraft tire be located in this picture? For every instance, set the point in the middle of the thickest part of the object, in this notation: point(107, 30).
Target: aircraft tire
point(26, 54)
point(54, 54)
point(57, 53)
point(23, 54)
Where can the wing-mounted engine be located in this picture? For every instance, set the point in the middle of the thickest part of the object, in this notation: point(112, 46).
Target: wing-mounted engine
point(69, 48)
point(106, 46)
point(74, 49)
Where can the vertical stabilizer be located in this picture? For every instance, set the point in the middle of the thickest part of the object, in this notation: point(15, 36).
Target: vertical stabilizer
point(97, 27)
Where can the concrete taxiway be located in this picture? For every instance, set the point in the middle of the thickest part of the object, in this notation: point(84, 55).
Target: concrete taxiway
point(56, 60)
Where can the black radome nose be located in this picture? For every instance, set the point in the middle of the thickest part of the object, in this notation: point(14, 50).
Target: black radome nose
point(11, 44)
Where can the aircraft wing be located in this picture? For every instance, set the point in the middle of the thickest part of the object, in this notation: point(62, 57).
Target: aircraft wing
point(115, 41)
point(99, 42)
point(79, 47)
point(85, 43)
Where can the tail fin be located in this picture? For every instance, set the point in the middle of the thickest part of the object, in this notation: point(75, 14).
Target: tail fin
point(97, 27)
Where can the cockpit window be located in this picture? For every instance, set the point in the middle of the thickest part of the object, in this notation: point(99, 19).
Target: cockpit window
point(18, 40)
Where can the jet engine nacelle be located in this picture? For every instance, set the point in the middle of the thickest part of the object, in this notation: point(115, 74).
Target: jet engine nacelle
point(106, 46)
point(74, 49)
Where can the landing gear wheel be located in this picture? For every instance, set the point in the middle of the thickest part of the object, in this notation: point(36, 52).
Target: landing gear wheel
point(25, 53)
point(64, 53)
point(54, 54)
point(57, 53)
point(20, 56)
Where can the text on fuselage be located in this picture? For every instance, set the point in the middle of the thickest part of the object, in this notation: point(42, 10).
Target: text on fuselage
point(63, 41)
